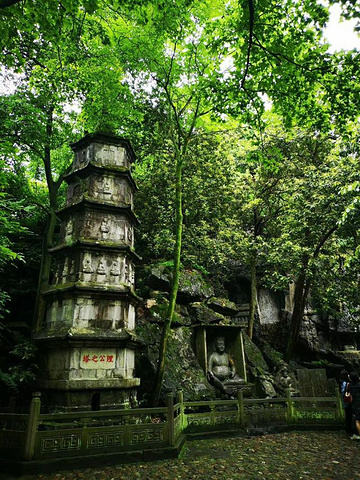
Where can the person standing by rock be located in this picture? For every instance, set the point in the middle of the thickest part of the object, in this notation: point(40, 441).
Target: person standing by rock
point(354, 389)
point(344, 384)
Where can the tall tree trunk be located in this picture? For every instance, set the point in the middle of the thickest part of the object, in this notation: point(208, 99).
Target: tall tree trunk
point(174, 285)
point(302, 289)
point(45, 268)
point(253, 297)
point(301, 292)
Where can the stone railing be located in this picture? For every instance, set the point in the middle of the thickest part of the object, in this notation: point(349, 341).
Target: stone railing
point(145, 433)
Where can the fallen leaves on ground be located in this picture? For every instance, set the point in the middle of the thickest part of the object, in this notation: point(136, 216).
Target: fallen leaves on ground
point(286, 456)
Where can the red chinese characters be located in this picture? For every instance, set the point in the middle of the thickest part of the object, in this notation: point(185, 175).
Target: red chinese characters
point(103, 358)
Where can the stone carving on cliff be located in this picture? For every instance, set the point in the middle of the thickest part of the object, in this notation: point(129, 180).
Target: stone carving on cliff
point(221, 371)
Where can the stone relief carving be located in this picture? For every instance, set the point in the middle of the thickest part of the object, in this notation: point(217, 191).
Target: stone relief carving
point(104, 229)
point(76, 193)
point(69, 229)
point(125, 159)
point(86, 266)
point(72, 267)
point(105, 155)
point(106, 187)
point(121, 230)
point(122, 192)
point(103, 187)
point(65, 270)
point(126, 272)
point(131, 274)
point(57, 272)
point(111, 269)
point(101, 270)
point(82, 157)
point(115, 268)
point(130, 234)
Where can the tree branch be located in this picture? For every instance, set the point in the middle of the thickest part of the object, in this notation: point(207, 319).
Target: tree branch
point(251, 31)
point(59, 181)
point(43, 207)
point(323, 240)
point(8, 3)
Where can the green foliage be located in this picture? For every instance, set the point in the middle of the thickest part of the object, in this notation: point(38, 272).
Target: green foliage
point(188, 82)
point(22, 369)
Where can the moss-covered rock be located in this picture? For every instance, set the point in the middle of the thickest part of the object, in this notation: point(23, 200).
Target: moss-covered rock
point(222, 306)
point(254, 357)
point(160, 278)
point(201, 314)
point(157, 310)
point(193, 287)
point(273, 358)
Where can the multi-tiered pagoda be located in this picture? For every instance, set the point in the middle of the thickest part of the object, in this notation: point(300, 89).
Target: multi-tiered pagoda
point(88, 337)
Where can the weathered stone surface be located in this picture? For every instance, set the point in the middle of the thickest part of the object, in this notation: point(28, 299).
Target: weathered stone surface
point(156, 310)
point(254, 356)
point(285, 379)
point(159, 278)
point(91, 302)
point(182, 367)
point(268, 306)
point(193, 287)
point(273, 358)
point(201, 314)
point(89, 311)
point(313, 383)
point(265, 387)
point(222, 306)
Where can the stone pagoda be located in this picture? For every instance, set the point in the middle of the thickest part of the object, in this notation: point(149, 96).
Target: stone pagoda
point(88, 340)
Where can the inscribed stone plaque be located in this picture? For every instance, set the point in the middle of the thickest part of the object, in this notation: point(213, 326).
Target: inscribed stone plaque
point(97, 358)
point(313, 383)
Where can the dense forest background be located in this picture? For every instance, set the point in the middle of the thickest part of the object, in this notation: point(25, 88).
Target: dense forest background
point(246, 130)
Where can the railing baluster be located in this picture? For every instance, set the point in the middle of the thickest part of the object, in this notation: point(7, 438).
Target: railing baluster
point(290, 406)
point(31, 428)
point(170, 418)
point(241, 409)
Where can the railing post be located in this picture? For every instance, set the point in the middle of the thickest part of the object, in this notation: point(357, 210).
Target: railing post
point(180, 400)
point(170, 415)
point(340, 413)
point(290, 406)
point(241, 407)
point(31, 428)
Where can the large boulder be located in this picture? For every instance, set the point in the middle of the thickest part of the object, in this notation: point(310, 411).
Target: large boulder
point(254, 358)
point(193, 287)
point(157, 310)
point(201, 314)
point(222, 306)
point(159, 278)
